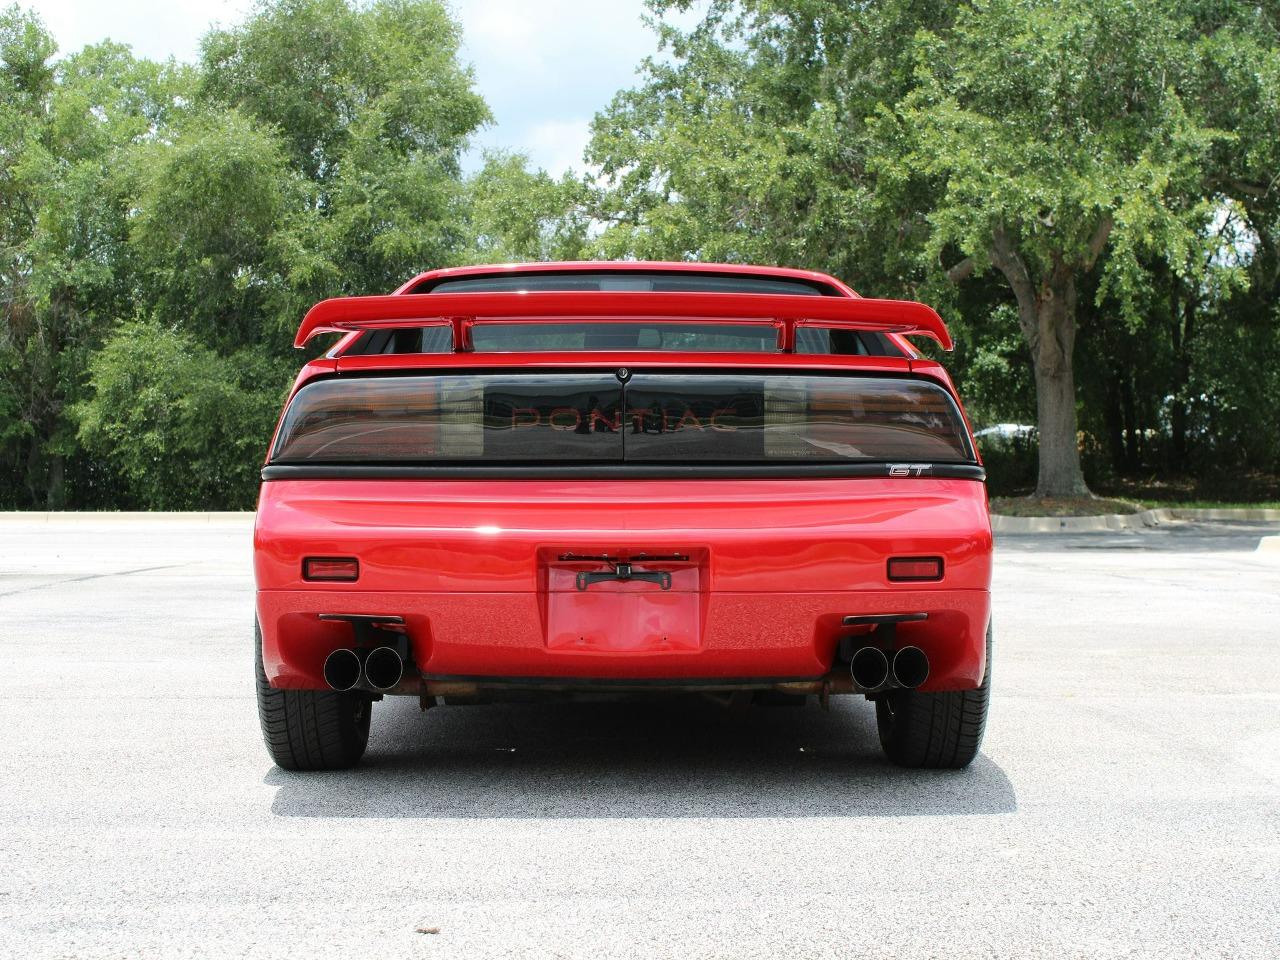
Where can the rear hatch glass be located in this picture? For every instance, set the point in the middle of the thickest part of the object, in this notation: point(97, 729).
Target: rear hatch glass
point(654, 418)
point(517, 337)
point(487, 418)
point(769, 418)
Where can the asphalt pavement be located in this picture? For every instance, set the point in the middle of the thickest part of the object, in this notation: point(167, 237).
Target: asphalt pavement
point(1126, 802)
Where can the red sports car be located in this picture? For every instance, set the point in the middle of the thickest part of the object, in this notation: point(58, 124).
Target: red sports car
point(570, 478)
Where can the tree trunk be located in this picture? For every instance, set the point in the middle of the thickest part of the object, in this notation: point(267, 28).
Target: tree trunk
point(55, 497)
point(1051, 353)
point(1183, 330)
point(1115, 423)
point(1132, 432)
point(1047, 316)
point(35, 474)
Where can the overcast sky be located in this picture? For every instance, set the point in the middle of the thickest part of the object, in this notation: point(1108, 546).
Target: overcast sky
point(544, 66)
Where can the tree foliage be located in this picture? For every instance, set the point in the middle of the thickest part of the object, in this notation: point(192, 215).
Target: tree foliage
point(520, 214)
point(1080, 149)
point(181, 423)
point(1089, 189)
point(68, 130)
point(164, 227)
point(372, 108)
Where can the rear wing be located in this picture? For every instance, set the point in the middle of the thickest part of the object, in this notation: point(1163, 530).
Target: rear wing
point(462, 311)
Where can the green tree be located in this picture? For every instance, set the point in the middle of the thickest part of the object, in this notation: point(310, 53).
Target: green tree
point(908, 146)
point(314, 151)
point(748, 140)
point(183, 424)
point(318, 156)
point(373, 109)
point(1052, 131)
point(515, 213)
point(66, 131)
point(1099, 168)
point(208, 204)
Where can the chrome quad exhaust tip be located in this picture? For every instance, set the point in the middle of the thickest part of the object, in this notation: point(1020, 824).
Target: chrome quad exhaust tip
point(872, 669)
point(869, 668)
point(910, 667)
point(383, 668)
point(342, 669)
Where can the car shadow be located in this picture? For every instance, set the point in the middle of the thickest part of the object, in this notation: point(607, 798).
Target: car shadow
point(680, 757)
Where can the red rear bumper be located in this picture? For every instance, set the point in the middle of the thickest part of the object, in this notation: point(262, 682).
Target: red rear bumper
point(768, 569)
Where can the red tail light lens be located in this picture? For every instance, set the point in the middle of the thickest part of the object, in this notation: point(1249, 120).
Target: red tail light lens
point(331, 568)
point(915, 568)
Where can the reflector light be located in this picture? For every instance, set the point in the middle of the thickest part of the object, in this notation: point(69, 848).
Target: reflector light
point(330, 568)
point(915, 568)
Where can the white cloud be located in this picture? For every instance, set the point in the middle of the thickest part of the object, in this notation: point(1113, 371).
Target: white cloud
point(560, 142)
point(544, 66)
point(554, 37)
point(156, 29)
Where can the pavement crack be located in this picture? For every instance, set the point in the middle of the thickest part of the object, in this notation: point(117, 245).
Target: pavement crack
point(91, 576)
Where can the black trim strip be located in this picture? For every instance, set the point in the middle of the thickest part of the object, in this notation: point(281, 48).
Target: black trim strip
point(609, 471)
point(879, 619)
point(597, 682)
point(360, 618)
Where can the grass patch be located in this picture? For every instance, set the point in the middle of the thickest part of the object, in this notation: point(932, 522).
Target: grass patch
point(1122, 495)
point(1219, 504)
point(1247, 488)
point(1062, 507)
point(1103, 506)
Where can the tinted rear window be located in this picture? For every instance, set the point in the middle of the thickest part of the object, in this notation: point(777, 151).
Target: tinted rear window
point(750, 418)
point(592, 418)
point(527, 337)
point(500, 417)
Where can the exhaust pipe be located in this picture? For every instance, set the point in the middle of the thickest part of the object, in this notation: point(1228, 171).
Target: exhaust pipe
point(869, 668)
point(342, 669)
point(383, 668)
point(910, 667)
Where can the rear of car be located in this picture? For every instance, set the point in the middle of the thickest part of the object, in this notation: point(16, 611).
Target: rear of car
point(626, 478)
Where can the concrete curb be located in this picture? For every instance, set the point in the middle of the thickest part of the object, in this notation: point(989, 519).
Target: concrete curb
point(121, 516)
point(1132, 521)
point(1270, 545)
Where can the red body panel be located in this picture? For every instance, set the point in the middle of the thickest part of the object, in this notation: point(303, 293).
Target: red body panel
point(473, 567)
point(768, 570)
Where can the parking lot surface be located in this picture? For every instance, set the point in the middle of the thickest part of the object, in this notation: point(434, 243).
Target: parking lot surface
point(1126, 802)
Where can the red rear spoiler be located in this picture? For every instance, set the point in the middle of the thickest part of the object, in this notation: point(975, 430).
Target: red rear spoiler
point(464, 310)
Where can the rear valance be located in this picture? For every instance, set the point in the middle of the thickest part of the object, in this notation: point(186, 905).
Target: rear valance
point(462, 311)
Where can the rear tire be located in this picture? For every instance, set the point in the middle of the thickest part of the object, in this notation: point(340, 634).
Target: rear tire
point(935, 731)
point(311, 729)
